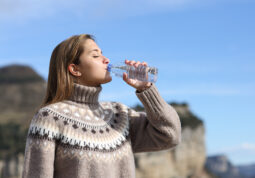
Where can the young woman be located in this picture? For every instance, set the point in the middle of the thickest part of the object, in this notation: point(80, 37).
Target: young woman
point(73, 135)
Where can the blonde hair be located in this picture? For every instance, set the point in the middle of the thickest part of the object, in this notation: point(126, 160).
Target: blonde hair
point(60, 80)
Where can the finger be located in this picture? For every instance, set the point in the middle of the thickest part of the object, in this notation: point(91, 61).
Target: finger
point(126, 79)
point(132, 63)
point(125, 76)
point(126, 61)
point(137, 63)
point(144, 63)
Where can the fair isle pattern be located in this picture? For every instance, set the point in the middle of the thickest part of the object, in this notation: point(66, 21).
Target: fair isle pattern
point(41, 143)
point(69, 109)
point(108, 134)
point(80, 137)
point(124, 150)
point(72, 153)
point(83, 116)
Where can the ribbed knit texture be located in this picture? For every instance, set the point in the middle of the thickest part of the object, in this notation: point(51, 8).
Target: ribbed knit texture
point(83, 138)
point(85, 94)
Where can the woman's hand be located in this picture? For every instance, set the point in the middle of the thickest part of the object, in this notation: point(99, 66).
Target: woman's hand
point(139, 85)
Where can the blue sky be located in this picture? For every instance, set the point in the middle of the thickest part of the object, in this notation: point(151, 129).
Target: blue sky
point(204, 50)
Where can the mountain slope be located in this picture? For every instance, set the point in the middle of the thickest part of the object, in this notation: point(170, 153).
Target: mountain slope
point(21, 92)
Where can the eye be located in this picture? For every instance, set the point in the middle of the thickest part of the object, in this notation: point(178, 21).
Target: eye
point(95, 56)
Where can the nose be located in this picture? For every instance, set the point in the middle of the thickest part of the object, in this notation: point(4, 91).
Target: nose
point(106, 60)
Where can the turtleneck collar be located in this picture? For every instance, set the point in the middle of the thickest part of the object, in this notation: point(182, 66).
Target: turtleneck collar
point(85, 94)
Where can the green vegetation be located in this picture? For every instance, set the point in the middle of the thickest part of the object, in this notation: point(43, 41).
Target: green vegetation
point(190, 120)
point(5, 79)
point(12, 138)
point(174, 104)
point(138, 107)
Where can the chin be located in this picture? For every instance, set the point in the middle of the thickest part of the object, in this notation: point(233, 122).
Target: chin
point(106, 80)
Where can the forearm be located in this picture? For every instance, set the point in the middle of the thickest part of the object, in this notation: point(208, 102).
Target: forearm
point(160, 128)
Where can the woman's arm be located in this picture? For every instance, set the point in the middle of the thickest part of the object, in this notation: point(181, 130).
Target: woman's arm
point(157, 129)
point(40, 148)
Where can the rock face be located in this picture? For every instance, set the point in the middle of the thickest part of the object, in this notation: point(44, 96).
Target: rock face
point(185, 160)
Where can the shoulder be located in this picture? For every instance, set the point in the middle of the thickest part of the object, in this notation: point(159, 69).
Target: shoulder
point(47, 116)
point(44, 124)
point(55, 106)
point(46, 111)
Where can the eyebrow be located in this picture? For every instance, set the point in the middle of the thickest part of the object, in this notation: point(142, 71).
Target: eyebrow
point(96, 50)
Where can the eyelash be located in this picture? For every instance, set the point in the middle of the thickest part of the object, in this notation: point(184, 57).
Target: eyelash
point(95, 56)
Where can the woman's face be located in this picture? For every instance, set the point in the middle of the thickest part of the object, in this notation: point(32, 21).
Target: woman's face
point(92, 69)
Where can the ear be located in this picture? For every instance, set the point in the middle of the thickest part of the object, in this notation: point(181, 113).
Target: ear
point(74, 69)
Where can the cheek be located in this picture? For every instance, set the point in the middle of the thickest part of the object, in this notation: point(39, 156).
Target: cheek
point(92, 72)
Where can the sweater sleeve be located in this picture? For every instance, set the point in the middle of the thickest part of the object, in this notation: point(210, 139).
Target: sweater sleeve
point(40, 147)
point(158, 128)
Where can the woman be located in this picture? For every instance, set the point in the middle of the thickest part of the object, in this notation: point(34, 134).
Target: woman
point(74, 135)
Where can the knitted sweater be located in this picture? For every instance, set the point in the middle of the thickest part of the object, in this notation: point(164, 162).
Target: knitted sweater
point(81, 137)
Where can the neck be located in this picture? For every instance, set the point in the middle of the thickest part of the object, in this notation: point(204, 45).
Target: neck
point(85, 94)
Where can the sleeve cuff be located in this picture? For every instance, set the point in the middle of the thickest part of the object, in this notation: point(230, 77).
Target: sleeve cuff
point(151, 99)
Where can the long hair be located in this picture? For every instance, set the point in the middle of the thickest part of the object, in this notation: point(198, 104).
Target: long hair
point(60, 80)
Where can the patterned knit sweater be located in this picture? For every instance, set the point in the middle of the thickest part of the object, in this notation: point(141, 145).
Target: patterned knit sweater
point(83, 138)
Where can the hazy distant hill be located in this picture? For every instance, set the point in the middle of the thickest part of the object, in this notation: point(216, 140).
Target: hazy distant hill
point(223, 168)
point(21, 92)
point(247, 170)
point(14, 74)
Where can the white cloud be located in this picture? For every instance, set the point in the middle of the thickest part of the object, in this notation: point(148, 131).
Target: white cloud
point(243, 147)
point(207, 66)
point(213, 89)
point(25, 10)
point(248, 147)
point(199, 91)
point(244, 153)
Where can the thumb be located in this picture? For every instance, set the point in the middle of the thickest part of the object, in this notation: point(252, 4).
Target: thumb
point(125, 77)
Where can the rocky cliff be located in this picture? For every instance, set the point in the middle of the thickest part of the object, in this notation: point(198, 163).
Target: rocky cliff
point(185, 160)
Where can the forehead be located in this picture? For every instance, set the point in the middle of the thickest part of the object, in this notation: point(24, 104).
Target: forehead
point(90, 44)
